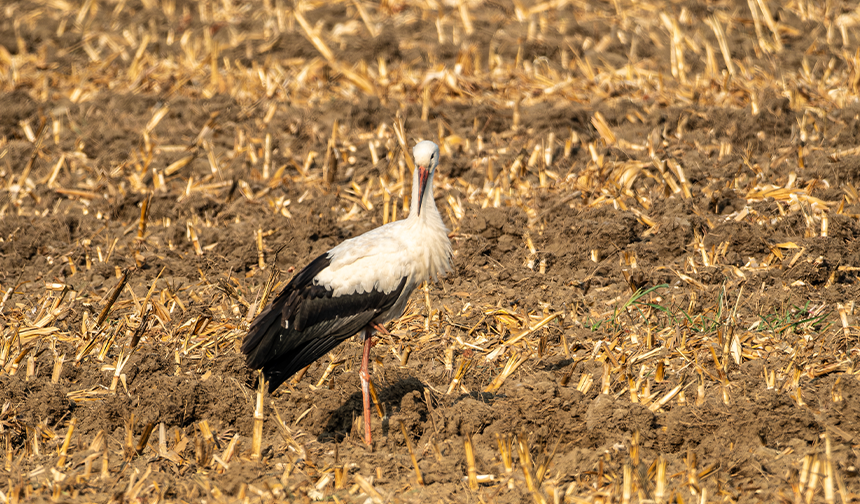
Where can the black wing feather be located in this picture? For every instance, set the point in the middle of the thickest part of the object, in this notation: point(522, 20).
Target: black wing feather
point(278, 374)
point(304, 322)
point(269, 320)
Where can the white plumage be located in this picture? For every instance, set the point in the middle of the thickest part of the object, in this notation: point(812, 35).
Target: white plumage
point(416, 247)
point(356, 286)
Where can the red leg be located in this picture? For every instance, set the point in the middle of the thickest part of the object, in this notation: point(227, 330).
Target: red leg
point(379, 327)
point(364, 374)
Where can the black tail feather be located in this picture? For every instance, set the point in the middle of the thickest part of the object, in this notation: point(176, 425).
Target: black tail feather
point(261, 338)
point(278, 371)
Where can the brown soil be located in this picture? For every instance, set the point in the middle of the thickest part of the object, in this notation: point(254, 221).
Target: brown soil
point(770, 268)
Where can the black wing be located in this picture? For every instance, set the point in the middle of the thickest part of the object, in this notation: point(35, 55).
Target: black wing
point(305, 322)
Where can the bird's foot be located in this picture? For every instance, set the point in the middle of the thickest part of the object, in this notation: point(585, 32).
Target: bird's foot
point(380, 328)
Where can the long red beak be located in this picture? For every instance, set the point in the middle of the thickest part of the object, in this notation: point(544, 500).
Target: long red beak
point(423, 175)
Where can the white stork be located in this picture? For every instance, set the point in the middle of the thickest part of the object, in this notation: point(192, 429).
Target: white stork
point(353, 288)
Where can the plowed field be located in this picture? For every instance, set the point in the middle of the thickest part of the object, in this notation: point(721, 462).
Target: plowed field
point(654, 214)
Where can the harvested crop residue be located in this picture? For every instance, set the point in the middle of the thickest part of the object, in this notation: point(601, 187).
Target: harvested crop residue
point(654, 220)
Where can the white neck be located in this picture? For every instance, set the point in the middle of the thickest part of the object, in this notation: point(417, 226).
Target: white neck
point(428, 227)
point(428, 206)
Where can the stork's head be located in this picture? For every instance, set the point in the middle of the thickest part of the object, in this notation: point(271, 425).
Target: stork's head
point(426, 155)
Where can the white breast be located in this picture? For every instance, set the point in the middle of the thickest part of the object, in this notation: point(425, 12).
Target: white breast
point(380, 258)
point(369, 261)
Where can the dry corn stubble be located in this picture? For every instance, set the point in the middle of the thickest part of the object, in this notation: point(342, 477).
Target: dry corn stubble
point(155, 159)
